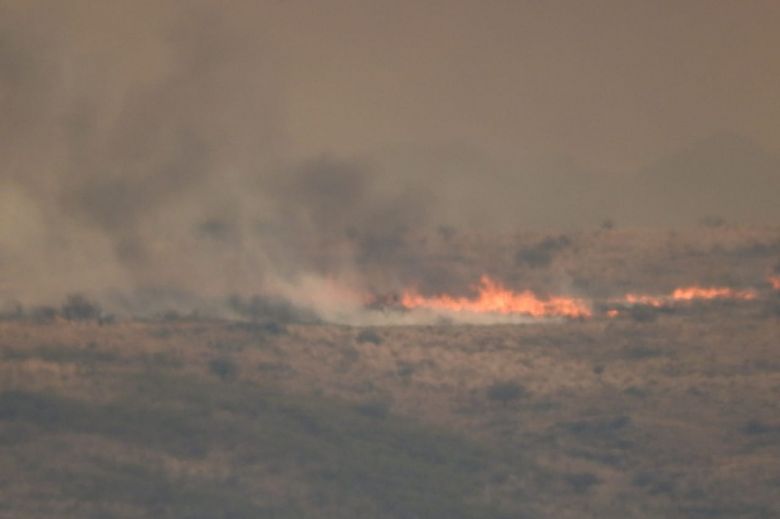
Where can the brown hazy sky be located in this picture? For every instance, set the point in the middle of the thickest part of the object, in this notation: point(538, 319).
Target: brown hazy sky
point(614, 84)
point(136, 131)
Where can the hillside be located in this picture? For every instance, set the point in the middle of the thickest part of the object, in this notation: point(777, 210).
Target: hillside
point(674, 416)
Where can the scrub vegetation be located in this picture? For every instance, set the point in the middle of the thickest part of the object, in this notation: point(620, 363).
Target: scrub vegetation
point(652, 412)
point(675, 417)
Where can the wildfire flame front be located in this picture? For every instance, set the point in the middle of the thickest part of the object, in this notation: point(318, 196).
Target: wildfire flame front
point(493, 297)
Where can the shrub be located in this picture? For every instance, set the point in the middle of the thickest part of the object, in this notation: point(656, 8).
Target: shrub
point(43, 314)
point(370, 336)
point(505, 392)
point(653, 483)
point(581, 482)
point(78, 308)
point(541, 254)
point(224, 368)
point(171, 316)
point(643, 313)
point(635, 391)
point(712, 221)
point(11, 311)
point(756, 427)
point(106, 319)
point(406, 369)
point(270, 309)
point(373, 409)
point(773, 305)
point(642, 352)
point(599, 426)
point(32, 407)
point(260, 328)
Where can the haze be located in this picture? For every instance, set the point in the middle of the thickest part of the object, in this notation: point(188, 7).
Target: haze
point(210, 146)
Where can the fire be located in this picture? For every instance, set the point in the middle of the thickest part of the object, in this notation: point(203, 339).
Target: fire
point(492, 297)
point(641, 299)
point(691, 293)
point(775, 282)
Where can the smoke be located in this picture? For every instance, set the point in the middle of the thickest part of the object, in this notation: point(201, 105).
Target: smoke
point(121, 136)
point(148, 161)
point(145, 164)
point(542, 253)
point(335, 216)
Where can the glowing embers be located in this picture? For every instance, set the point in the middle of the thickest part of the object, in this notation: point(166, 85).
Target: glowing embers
point(494, 298)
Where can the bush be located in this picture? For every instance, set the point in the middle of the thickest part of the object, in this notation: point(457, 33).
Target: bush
point(11, 311)
point(370, 336)
point(643, 313)
point(712, 221)
point(270, 309)
point(78, 308)
point(505, 392)
point(406, 369)
point(43, 314)
point(224, 368)
point(581, 482)
point(653, 483)
point(260, 328)
point(106, 319)
point(773, 305)
point(373, 409)
point(600, 427)
point(541, 254)
point(32, 407)
point(642, 352)
point(757, 427)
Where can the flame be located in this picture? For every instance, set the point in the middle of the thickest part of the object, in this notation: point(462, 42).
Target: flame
point(492, 297)
point(691, 293)
point(641, 299)
point(775, 282)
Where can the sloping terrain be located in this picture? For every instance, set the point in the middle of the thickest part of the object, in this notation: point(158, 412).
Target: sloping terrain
point(674, 416)
point(668, 411)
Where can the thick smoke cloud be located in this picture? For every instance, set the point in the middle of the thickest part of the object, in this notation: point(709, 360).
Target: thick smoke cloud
point(162, 180)
point(148, 160)
point(333, 214)
point(118, 144)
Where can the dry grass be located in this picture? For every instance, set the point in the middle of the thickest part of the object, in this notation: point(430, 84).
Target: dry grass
point(676, 416)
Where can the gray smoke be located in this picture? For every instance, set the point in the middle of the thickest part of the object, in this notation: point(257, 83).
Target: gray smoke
point(117, 148)
point(147, 160)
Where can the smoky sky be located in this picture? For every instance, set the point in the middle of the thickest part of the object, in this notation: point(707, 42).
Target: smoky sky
point(219, 147)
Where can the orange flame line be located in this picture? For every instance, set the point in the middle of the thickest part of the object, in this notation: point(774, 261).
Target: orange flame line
point(492, 297)
point(690, 294)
